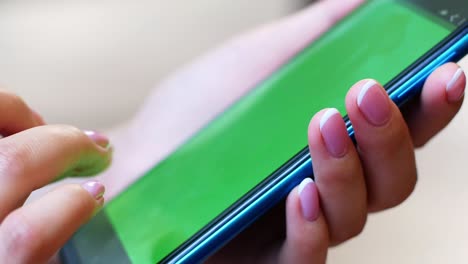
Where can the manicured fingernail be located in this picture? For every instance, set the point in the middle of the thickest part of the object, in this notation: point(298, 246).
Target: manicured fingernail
point(374, 103)
point(95, 189)
point(334, 133)
point(455, 92)
point(98, 138)
point(309, 198)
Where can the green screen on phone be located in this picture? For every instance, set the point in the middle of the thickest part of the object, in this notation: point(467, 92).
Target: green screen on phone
point(256, 135)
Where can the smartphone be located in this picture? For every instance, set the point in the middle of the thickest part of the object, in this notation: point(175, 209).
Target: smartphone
point(253, 154)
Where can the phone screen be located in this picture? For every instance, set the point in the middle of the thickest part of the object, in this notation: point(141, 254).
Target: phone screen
point(260, 132)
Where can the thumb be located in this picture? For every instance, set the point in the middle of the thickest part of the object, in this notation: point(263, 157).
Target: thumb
point(307, 233)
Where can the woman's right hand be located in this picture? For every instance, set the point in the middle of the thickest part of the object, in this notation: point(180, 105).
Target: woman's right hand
point(32, 155)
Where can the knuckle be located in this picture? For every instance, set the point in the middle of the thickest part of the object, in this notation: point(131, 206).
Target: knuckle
point(20, 236)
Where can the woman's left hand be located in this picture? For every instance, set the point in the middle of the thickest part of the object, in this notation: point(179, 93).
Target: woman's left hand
point(32, 155)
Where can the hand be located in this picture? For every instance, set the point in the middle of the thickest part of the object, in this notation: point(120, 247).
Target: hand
point(380, 175)
point(350, 182)
point(32, 155)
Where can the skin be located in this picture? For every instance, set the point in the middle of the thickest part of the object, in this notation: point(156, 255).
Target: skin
point(32, 233)
point(380, 174)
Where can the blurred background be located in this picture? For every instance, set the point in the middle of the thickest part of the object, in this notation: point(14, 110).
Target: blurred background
point(83, 52)
point(91, 63)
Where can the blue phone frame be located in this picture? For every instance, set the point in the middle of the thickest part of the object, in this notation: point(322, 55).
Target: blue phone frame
point(277, 186)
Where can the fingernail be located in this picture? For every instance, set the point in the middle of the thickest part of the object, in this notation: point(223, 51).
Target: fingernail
point(98, 138)
point(373, 103)
point(95, 189)
point(334, 133)
point(309, 198)
point(455, 93)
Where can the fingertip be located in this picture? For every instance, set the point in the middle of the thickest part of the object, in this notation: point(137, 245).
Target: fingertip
point(98, 138)
point(327, 134)
point(95, 189)
point(446, 85)
point(441, 99)
point(334, 134)
point(89, 165)
point(352, 97)
point(367, 100)
point(307, 233)
point(96, 157)
point(313, 132)
point(85, 201)
point(455, 88)
point(314, 123)
point(41, 228)
point(303, 203)
point(309, 200)
point(79, 202)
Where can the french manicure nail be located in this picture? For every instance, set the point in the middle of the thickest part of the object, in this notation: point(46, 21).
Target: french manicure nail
point(309, 198)
point(334, 133)
point(95, 189)
point(455, 93)
point(374, 104)
point(98, 138)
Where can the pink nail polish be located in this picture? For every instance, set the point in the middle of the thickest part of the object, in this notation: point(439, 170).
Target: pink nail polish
point(309, 198)
point(95, 189)
point(98, 138)
point(374, 104)
point(455, 93)
point(334, 133)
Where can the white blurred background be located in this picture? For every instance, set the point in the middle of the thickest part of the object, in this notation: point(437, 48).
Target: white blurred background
point(91, 63)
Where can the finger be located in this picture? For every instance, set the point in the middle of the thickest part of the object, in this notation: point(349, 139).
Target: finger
point(384, 143)
point(307, 234)
point(33, 233)
point(439, 102)
point(35, 157)
point(338, 175)
point(16, 115)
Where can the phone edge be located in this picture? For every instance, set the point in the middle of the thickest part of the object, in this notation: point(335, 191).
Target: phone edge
point(403, 88)
point(406, 86)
